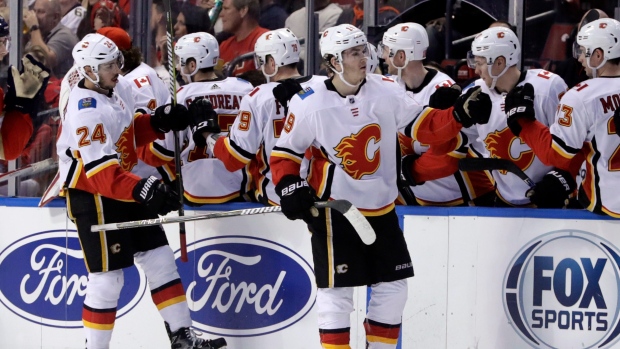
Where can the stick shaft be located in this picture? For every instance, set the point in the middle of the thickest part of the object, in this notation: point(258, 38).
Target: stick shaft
point(177, 147)
point(487, 164)
point(169, 220)
point(31, 169)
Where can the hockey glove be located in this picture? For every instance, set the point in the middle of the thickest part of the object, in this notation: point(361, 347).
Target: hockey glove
point(473, 107)
point(285, 90)
point(296, 197)
point(554, 190)
point(444, 97)
point(158, 197)
point(407, 165)
point(170, 117)
point(26, 85)
point(519, 105)
point(202, 119)
point(617, 121)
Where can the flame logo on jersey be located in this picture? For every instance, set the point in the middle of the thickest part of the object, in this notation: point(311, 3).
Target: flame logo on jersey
point(126, 148)
point(360, 152)
point(504, 145)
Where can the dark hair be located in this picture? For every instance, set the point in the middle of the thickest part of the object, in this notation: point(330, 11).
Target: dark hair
point(253, 7)
point(614, 61)
point(133, 58)
point(196, 18)
point(506, 24)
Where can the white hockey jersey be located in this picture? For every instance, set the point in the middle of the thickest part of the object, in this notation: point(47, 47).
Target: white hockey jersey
point(98, 132)
point(205, 179)
point(443, 191)
point(149, 92)
point(495, 140)
point(253, 136)
point(354, 140)
point(585, 115)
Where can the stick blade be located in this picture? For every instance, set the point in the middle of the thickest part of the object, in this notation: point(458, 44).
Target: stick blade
point(355, 217)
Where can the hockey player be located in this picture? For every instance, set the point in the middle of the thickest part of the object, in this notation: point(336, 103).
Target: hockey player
point(434, 179)
point(19, 105)
point(494, 54)
point(353, 120)
point(586, 122)
point(148, 92)
point(207, 180)
point(261, 118)
point(97, 150)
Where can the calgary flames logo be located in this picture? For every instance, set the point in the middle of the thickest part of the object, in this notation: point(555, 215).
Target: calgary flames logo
point(126, 148)
point(360, 152)
point(504, 145)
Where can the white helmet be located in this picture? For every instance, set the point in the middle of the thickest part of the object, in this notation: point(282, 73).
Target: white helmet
point(373, 59)
point(202, 47)
point(336, 39)
point(493, 43)
point(281, 44)
point(603, 33)
point(408, 37)
point(411, 38)
point(93, 50)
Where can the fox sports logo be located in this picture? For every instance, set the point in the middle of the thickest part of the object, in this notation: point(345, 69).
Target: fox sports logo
point(562, 289)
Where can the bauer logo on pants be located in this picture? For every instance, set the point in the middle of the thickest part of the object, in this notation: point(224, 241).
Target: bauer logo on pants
point(44, 280)
point(244, 286)
point(562, 289)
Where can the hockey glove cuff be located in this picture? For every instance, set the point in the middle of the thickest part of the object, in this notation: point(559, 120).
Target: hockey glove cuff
point(519, 105)
point(170, 118)
point(554, 190)
point(473, 107)
point(296, 197)
point(158, 197)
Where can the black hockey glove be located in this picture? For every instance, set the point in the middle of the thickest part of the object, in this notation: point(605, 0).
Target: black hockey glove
point(296, 197)
point(202, 119)
point(473, 107)
point(407, 164)
point(554, 190)
point(168, 117)
point(519, 105)
point(26, 86)
point(158, 197)
point(285, 90)
point(444, 97)
point(617, 121)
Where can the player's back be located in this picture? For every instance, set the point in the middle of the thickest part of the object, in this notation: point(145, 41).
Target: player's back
point(206, 180)
point(585, 115)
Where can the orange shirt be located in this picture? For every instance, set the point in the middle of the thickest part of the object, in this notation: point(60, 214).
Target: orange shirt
point(231, 48)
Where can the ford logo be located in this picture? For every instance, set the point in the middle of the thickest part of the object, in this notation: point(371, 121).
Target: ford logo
point(245, 286)
point(562, 290)
point(44, 280)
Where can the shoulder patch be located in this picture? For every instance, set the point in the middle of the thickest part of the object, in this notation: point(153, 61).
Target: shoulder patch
point(253, 92)
point(88, 102)
point(387, 79)
point(142, 81)
point(305, 93)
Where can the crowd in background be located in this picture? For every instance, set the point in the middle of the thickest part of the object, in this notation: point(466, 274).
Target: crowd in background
point(52, 28)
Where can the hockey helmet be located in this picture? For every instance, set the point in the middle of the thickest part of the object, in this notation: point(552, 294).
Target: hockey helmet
point(603, 34)
point(410, 38)
point(94, 50)
point(202, 47)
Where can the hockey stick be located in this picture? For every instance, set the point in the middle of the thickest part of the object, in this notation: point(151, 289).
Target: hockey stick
point(177, 148)
point(350, 212)
point(484, 164)
point(37, 167)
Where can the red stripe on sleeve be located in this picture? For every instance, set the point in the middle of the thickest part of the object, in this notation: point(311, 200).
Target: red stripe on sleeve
point(438, 126)
point(221, 152)
point(281, 167)
point(538, 137)
point(144, 132)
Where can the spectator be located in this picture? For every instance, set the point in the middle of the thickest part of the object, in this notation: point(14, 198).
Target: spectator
point(272, 14)
point(72, 14)
point(355, 15)
point(240, 18)
point(297, 22)
point(46, 31)
point(191, 19)
point(113, 17)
